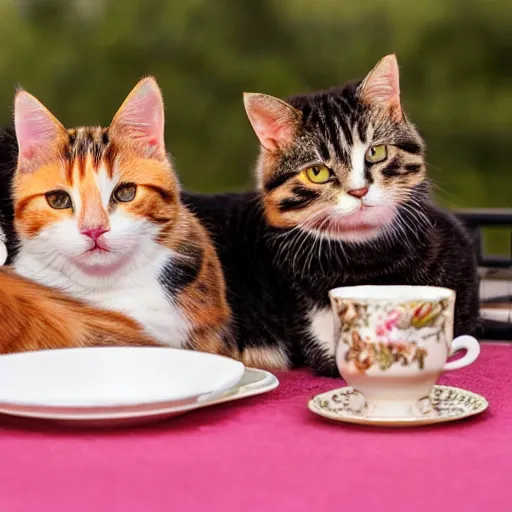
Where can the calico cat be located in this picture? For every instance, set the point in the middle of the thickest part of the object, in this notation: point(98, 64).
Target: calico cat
point(97, 215)
point(343, 199)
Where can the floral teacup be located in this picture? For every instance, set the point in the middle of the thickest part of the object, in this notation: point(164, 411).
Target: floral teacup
point(392, 343)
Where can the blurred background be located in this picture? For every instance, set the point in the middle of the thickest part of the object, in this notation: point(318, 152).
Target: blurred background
point(82, 57)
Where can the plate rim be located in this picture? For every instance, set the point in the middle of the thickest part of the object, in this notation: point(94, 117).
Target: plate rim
point(273, 383)
point(396, 421)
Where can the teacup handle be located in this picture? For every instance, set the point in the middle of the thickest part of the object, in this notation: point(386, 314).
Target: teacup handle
point(472, 348)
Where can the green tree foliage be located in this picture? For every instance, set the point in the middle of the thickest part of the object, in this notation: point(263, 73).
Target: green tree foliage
point(81, 57)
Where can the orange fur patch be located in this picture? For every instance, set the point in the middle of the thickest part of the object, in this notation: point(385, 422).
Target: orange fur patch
point(35, 317)
point(78, 170)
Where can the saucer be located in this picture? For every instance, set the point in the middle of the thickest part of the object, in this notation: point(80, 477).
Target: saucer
point(445, 403)
point(253, 382)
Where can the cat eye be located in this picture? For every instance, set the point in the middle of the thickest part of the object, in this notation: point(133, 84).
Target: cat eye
point(318, 174)
point(59, 200)
point(125, 193)
point(376, 154)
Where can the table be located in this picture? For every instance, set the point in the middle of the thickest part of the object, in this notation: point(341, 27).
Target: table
point(270, 453)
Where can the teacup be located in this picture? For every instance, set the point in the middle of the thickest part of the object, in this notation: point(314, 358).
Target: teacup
point(393, 342)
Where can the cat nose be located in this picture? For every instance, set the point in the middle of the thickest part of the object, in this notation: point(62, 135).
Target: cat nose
point(94, 233)
point(358, 192)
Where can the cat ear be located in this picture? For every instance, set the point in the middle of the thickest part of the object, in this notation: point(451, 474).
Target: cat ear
point(274, 121)
point(141, 118)
point(382, 86)
point(37, 131)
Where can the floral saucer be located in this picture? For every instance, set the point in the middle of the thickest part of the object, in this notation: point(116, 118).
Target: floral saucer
point(444, 404)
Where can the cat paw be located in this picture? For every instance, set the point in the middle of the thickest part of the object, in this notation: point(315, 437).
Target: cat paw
point(326, 369)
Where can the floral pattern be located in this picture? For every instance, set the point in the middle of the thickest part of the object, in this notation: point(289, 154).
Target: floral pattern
point(365, 354)
point(385, 334)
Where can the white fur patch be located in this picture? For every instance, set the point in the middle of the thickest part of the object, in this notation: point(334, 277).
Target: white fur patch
point(347, 204)
point(3, 248)
point(125, 279)
point(105, 185)
point(322, 329)
point(356, 178)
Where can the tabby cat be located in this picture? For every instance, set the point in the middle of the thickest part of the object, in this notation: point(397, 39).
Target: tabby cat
point(343, 199)
point(97, 214)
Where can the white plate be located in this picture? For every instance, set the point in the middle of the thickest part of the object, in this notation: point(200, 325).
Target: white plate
point(114, 378)
point(253, 382)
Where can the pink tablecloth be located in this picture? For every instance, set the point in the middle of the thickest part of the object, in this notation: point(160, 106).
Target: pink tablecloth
point(271, 453)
